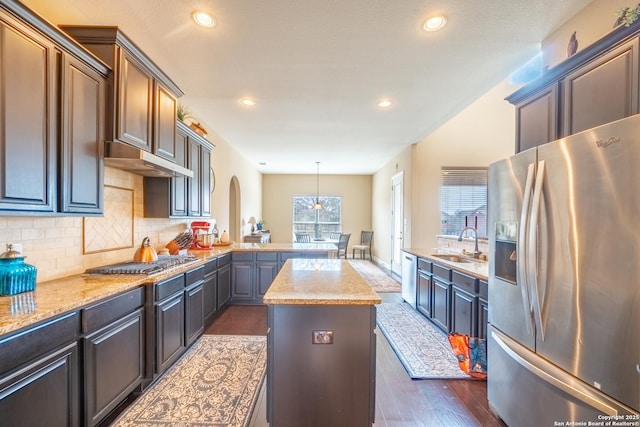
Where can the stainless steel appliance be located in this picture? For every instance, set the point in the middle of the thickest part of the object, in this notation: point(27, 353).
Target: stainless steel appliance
point(164, 262)
point(409, 277)
point(564, 280)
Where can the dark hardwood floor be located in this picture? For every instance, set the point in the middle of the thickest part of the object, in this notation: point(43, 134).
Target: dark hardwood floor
point(400, 401)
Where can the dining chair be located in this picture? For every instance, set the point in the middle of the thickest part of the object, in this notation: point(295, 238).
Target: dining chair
point(366, 238)
point(303, 238)
point(343, 242)
point(334, 235)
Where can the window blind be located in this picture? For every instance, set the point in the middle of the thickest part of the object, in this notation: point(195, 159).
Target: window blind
point(463, 200)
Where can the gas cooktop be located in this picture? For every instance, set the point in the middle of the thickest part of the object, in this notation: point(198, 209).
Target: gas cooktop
point(163, 263)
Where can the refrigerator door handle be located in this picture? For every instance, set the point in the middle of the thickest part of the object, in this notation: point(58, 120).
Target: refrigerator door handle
point(532, 249)
point(521, 248)
point(555, 376)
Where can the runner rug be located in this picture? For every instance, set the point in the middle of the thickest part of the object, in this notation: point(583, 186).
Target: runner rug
point(376, 277)
point(215, 383)
point(422, 348)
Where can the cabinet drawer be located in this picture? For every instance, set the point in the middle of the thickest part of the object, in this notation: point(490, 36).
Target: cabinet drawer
point(169, 287)
point(30, 343)
point(484, 290)
point(106, 311)
point(242, 256)
point(462, 281)
point(224, 260)
point(424, 265)
point(267, 256)
point(442, 272)
point(210, 267)
point(194, 276)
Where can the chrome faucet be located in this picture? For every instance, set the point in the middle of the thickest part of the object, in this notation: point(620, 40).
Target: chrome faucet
point(476, 252)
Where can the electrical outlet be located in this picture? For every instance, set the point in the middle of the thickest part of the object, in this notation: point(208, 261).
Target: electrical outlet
point(322, 337)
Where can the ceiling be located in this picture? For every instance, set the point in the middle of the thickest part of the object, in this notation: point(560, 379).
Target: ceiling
point(317, 69)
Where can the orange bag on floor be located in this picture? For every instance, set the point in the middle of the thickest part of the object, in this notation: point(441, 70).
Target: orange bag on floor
point(471, 354)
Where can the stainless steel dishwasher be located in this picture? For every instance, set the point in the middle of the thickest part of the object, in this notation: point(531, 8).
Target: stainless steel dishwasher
point(409, 277)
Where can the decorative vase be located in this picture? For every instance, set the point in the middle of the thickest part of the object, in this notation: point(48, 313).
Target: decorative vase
point(15, 275)
point(224, 237)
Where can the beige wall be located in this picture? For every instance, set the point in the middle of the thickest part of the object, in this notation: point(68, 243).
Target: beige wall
point(482, 133)
point(278, 192)
point(381, 212)
point(227, 163)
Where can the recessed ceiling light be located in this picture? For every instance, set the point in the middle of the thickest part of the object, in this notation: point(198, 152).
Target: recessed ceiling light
point(204, 19)
point(384, 103)
point(248, 102)
point(435, 23)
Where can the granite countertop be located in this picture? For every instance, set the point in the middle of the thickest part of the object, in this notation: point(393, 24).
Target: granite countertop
point(320, 282)
point(284, 247)
point(59, 296)
point(66, 294)
point(475, 268)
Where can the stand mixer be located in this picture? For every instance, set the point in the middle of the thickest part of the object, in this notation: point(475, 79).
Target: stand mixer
point(204, 234)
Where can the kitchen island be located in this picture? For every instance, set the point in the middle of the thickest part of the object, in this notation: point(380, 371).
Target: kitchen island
point(321, 360)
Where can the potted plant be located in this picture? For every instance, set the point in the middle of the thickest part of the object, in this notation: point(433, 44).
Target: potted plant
point(628, 15)
point(182, 113)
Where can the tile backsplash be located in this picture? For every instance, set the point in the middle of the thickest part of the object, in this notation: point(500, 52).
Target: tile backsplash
point(55, 244)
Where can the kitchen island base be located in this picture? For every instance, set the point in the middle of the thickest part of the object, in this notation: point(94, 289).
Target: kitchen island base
point(321, 365)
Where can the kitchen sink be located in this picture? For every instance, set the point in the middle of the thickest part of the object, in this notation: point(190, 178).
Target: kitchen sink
point(452, 258)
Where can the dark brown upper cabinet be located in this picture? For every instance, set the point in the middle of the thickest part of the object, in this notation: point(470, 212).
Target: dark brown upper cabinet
point(134, 112)
point(141, 108)
point(597, 85)
point(180, 196)
point(82, 135)
point(51, 119)
point(603, 90)
point(28, 112)
point(537, 119)
point(166, 145)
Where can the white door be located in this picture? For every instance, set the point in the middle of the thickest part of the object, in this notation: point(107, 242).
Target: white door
point(397, 223)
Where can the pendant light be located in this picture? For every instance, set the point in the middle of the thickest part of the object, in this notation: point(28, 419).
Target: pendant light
point(317, 205)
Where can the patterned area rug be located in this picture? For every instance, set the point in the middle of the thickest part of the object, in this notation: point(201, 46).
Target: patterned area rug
point(377, 278)
point(423, 349)
point(215, 383)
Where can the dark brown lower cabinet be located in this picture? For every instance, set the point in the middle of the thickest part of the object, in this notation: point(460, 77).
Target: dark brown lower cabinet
point(425, 293)
point(210, 290)
point(43, 392)
point(224, 281)
point(39, 374)
point(169, 330)
point(463, 312)
point(441, 306)
point(114, 352)
point(194, 310)
point(114, 365)
point(179, 316)
point(483, 318)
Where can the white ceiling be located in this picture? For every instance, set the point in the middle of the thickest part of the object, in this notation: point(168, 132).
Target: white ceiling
point(317, 68)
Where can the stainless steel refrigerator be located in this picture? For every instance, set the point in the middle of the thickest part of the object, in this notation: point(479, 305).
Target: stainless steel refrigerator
point(564, 280)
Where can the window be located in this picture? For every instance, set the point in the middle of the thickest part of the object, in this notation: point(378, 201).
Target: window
point(318, 223)
point(463, 200)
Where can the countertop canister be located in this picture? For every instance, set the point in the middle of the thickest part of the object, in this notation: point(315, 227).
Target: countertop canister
point(15, 275)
